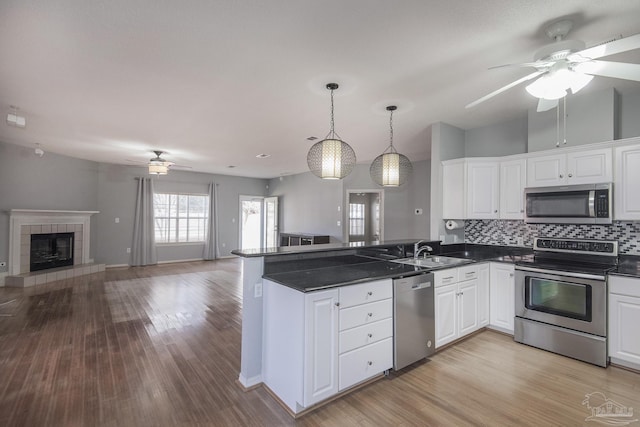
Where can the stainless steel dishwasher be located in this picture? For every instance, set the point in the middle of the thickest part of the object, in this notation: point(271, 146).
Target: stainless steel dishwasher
point(413, 319)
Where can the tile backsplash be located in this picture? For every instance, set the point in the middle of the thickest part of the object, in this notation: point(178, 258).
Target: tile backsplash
point(503, 232)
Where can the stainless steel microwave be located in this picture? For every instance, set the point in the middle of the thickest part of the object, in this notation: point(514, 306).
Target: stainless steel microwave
point(569, 204)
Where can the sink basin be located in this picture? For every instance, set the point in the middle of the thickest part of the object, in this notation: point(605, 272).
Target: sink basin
point(435, 261)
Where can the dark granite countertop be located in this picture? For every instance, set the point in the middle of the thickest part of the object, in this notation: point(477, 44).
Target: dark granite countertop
point(508, 254)
point(283, 250)
point(362, 270)
point(628, 265)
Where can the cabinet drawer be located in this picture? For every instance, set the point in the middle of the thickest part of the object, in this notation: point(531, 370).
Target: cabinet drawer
point(365, 335)
point(365, 314)
point(445, 277)
point(365, 292)
point(624, 286)
point(468, 272)
point(365, 362)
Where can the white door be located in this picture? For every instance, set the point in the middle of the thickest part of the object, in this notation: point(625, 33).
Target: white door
point(502, 297)
point(468, 306)
point(271, 222)
point(320, 346)
point(446, 314)
point(589, 167)
point(250, 224)
point(513, 179)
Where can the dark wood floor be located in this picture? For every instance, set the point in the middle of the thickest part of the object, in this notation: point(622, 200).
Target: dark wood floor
point(158, 346)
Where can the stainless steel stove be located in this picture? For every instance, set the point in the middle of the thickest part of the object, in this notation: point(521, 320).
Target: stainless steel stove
point(561, 297)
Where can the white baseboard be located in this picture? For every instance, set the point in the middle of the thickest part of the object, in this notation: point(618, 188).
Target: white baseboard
point(249, 382)
point(2, 276)
point(117, 265)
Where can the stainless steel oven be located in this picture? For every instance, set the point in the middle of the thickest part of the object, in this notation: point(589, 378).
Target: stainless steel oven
point(561, 298)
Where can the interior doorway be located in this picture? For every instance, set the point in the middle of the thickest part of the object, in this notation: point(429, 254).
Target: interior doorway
point(364, 215)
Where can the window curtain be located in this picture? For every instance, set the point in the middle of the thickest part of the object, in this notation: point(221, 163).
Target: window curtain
point(211, 251)
point(143, 248)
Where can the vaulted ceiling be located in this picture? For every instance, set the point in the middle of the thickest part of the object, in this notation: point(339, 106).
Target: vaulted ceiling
point(216, 83)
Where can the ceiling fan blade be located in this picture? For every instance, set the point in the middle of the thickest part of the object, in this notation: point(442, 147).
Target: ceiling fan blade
point(618, 70)
point(504, 88)
point(546, 104)
point(606, 49)
point(537, 64)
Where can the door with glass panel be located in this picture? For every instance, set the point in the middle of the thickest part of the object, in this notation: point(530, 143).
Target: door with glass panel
point(270, 222)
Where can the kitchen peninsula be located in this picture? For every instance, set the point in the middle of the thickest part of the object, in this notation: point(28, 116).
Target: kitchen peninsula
point(291, 277)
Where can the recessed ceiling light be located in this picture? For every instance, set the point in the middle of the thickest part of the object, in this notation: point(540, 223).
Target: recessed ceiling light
point(312, 138)
point(263, 156)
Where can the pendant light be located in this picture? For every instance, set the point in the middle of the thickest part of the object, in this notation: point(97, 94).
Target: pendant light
point(390, 169)
point(331, 158)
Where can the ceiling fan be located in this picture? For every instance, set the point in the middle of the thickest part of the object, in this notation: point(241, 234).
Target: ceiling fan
point(159, 166)
point(567, 65)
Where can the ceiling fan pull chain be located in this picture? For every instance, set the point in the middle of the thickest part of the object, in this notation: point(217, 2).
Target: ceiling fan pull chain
point(558, 126)
point(564, 113)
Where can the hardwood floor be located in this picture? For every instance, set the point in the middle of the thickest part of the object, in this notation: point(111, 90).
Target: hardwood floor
point(160, 346)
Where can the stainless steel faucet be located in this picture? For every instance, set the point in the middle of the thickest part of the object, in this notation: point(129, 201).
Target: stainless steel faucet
point(417, 249)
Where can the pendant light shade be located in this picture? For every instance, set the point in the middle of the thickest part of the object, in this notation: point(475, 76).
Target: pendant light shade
point(390, 169)
point(331, 158)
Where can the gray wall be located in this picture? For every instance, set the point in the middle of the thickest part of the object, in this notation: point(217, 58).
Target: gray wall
point(628, 120)
point(65, 183)
point(49, 182)
point(501, 139)
point(590, 118)
point(309, 204)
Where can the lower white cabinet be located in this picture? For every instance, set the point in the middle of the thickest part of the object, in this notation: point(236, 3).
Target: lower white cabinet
point(461, 301)
point(624, 318)
point(502, 297)
point(317, 344)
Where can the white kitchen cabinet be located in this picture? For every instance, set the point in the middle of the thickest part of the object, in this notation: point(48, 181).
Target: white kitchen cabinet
point(482, 189)
point(574, 167)
point(626, 185)
point(502, 296)
point(460, 302)
point(320, 346)
point(317, 344)
point(624, 318)
point(366, 331)
point(513, 180)
point(470, 189)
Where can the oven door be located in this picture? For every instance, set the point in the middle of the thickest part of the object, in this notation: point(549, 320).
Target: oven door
point(559, 299)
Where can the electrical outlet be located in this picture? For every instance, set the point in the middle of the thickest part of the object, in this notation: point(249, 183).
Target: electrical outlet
point(128, 250)
point(338, 223)
point(117, 220)
point(257, 290)
point(520, 241)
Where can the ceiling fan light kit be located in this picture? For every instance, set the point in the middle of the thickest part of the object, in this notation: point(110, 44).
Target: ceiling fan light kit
point(158, 166)
point(331, 158)
point(567, 65)
point(390, 169)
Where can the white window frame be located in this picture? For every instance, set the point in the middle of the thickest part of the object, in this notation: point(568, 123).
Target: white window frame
point(177, 219)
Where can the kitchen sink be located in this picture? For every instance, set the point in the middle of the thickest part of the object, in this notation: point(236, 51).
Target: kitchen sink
point(435, 261)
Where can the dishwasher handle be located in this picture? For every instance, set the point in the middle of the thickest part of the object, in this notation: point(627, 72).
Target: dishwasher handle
point(413, 283)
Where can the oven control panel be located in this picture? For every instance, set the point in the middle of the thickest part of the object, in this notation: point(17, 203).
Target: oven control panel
point(600, 247)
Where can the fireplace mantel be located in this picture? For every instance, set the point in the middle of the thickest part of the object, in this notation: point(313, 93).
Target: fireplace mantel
point(21, 217)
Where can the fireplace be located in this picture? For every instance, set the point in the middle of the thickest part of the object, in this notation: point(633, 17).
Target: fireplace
point(51, 250)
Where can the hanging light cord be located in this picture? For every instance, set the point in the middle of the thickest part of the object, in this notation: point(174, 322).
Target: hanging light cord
point(332, 133)
point(390, 148)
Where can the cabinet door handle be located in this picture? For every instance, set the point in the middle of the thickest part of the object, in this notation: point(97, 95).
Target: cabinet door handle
point(470, 273)
point(496, 211)
point(370, 335)
point(370, 314)
point(369, 293)
point(338, 304)
point(447, 278)
point(570, 175)
point(369, 363)
point(561, 176)
point(521, 210)
point(510, 274)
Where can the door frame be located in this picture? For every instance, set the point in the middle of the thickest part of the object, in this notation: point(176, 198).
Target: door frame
point(345, 211)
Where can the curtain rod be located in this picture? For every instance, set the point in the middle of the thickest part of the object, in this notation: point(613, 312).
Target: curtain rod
point(180, 182)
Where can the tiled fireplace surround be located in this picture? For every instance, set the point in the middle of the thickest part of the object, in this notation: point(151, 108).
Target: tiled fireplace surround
point(25, 222)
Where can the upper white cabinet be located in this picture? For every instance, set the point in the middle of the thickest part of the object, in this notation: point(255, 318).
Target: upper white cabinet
point(470, 189)
point(513, 180)
point(626, 185)
point(482, 189)
point(575, 167)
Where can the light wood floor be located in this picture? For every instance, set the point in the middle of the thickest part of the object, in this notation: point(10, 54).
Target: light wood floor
point(158, 346)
